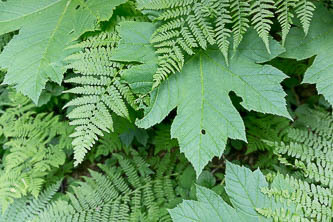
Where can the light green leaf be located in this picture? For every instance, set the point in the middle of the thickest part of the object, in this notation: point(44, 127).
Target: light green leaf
point(206, 117)
point(162, 100)
point(319, 43)
point(35, 56)
point(210, 207)
point(135, 47)
point(243, 187)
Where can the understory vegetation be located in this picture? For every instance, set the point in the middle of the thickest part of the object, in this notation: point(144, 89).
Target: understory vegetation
point(166, 110)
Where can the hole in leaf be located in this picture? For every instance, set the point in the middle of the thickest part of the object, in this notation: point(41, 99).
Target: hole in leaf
point(203, 132)
point(77, 7)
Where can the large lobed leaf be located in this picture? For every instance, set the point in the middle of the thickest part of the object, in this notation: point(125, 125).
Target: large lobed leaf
point(319, 43)
point(206, 117)
point(46, 29)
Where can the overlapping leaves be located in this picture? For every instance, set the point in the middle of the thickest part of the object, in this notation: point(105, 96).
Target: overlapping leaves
point(206, 117)
point(244, 188)
point(319, 43)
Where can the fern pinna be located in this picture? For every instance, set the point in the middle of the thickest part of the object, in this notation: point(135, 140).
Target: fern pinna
point(186, 25)
point(101, 90)
point(35, 145)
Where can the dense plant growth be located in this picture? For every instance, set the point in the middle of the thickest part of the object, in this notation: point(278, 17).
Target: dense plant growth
point(166, 110)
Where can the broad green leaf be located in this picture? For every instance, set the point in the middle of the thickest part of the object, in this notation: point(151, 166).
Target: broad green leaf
point(46, 29)
point(319, 43)
point(243, 187)
point(210, 207)
point(206, 117)
point(135, 47)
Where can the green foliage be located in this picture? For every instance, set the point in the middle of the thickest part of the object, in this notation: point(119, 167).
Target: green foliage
point(309, 149)
point(244, 189)
point(36, 55)
point(162, 139)
point(318, 42)
point(4, 39)
point(185, 25)
point(102, 89)
point(262, 19)
point(35, 144)
point(206, 118)
point(146, 77)
point(303, 196)
point(28, 208)
point(253, 199)
point(263, 127)
point(129, 190)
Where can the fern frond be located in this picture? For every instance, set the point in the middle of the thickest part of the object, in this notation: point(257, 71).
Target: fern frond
point(262, 18)
point(240, 10)
point(267, 127)
point(36, 145)
point(29, 208)
point(309, 150)
point(186, 26)
point(127, 192)
point(103, 91)
point(164, 4)
point(162, 140)
point(304, 11)
point(285, 15)
point(319, 121)
point(315, 201)
point(222, 31)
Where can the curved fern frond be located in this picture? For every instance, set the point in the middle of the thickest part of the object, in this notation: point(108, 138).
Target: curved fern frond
point(240, 10)
point(285, 15)
point(222, 31)
point(188, 25)
point(304, 11)
point(262, 18)
point(308, 149)
point(101, 91)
